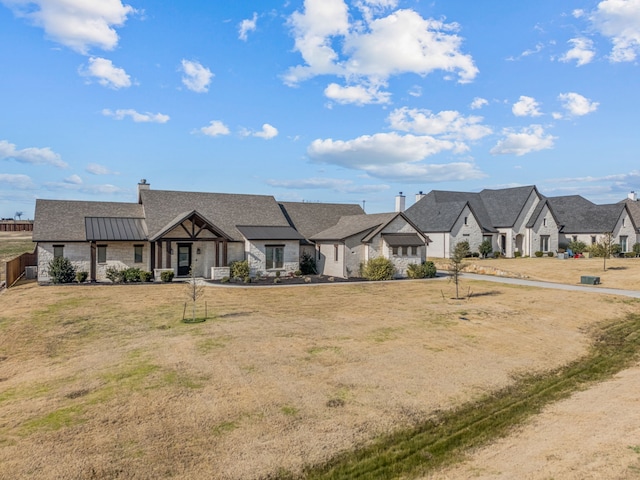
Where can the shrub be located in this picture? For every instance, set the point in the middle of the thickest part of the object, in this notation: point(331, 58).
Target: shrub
point(224, 280)
point(636, 248)
point(277, 273)
point(475, 254)
point(424, 270)
point(297, 273)
point(145, 276)
point(61, 270)
point(81, 277)
point(131, 275)
point(247, 279)
point(379, 268)
point(308, 264)
point(539, 254)
point(485, 248)
point(239, 269)
point(549, 254)
point(576, 246)
point(517, 254)
point(166, 276)
point(629, 255)
point(115, 275)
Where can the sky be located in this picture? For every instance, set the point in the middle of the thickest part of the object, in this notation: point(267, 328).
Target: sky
point(345, 101)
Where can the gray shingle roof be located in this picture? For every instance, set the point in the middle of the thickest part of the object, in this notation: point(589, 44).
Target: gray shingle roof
point(224, 210)
point(634, 211)
point(351, 225)
point(505, 205)
point(576, 214)
point(312, 218)
point(110, 228)
point(64, 220)
point(257, 232)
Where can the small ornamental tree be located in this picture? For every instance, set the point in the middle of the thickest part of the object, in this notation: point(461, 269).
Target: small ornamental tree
point(61, 270)
point(456, 262)
point(193, 291)
point(308, 264)
point(604, 248)
point(576, 246)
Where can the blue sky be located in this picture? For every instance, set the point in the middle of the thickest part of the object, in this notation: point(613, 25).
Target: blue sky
point(317, 100)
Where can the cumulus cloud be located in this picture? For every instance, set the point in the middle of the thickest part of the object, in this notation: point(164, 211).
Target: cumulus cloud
point(247, 26)
point(196, 77)
point(337, 185)
point(77, 24)
point(74, 180)
point(373, 49)
point(135, 116)
point(96, 169)
point(527, 140)
point(34, 156)
point(577, 105)
point(526, 107)
point(106, 73)
point(392, 156)
point(84, 188)
point(478, 103)
point(582, 52)
point(619, 20)
point(21, 182)
point(215, 129)
point(447, 124)
point(356, 94)
point(268, 132)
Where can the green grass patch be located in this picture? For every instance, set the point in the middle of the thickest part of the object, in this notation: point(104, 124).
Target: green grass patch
point(289, 410)
point(63, 417)
point(444, 439)
point(224, 427)
point(384, 334)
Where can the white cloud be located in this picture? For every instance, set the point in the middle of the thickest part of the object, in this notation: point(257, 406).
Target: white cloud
point(84, 188)
point(337, 185)
point(356, 94)
point(446, 124)
point(582, 51)
point(196, 77)
point(74, 180)
point(620, 21)
point(107, 74)
point(268, 132)
point(531, 139)
point(96, 169)
point(478, 103)
point(135, 116)
point(22, 182)
point(34, 156)
point(576, 104)
point(415, 91)
point(578, 13)
point(393, 156)
point(526, 107)
point(247, 26)
point(77, 24)
point(374, 49)
point(215, 128)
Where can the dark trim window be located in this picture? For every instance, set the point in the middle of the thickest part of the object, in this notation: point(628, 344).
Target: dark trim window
point(102, 254)
point(274, 256)
point(623, 243)
point(137, 253)
point(414, 251)
point(58, 251)
point(544, 222)
point(466, 220)
point(544, 243)
point(593, 240)
point(336, 253)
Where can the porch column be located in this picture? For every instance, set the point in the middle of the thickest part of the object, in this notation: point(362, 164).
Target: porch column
point(152, 256)
point(159, 254)
point(224, 252)
point(168, 249)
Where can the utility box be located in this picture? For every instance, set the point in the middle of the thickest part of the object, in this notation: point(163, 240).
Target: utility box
point(589, 280)
point(31, 273)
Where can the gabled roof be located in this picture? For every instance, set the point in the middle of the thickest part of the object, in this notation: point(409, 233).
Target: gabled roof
point(576, 214)
point(505, 205)
point(196, 219)
point(634, 210)
point(351, 225)
point(115, 229)
point(257, 232)
point(64, 220)
point(224, 210)
point(312, 218)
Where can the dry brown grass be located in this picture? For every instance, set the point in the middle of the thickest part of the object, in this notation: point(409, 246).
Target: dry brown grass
point(105, 382)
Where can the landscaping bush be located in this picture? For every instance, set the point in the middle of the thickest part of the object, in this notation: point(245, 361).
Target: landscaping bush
point(145, 276)
point(115, 274)
point(224, 280)
point(539, 254)
point(517, 254)
point(577, 246)
point(61, 270)
point(81, 277)
point(636, 249)
point(379, 268)
point(239, 269)
point(485, 248)
point(166, 276)
point(629, 255)
point(308, 264)
point(549, 254)
point(131, 275)
point(424, 270)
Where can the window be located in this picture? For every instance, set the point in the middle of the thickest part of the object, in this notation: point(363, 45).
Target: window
point(593, 240)
point(394, 250)
point(274, 256)
point(335, 252)
point(465, 220)
point(544, 222)
point(623, 222)
point(58, 251)
point(544, 243)
point(102, 254)
point(414, 251)
point(137, 253)
point(574, 238)
point(623, 243)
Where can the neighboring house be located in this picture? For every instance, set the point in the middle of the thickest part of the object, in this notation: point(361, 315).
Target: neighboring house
point(355, 239)
point(167, 230)
point(634, 210)
point(500, 216)
point(581, 220)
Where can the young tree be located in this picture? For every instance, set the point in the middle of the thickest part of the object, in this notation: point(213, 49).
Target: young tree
point(604, 248)
point(193, 292)
point(456, 262)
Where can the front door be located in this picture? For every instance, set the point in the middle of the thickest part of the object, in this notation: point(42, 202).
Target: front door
point(184, 259)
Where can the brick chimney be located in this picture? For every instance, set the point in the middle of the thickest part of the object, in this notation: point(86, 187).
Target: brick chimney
point(143, 185)
point(400, 202)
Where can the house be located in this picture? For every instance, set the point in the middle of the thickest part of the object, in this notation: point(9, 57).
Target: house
point(167, 230)
point(355, 239)
point(500, 216)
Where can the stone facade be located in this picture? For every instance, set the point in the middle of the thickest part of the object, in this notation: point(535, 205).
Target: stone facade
point(256, 255)
point(545, 225)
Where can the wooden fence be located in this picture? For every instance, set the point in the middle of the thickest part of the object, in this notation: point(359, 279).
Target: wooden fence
point(15, 268)
point(16, 226)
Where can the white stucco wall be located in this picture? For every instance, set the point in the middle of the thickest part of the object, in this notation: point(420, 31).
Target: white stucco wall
point(439, 246)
